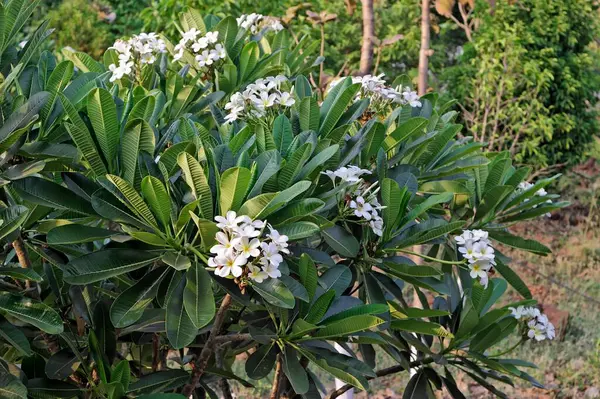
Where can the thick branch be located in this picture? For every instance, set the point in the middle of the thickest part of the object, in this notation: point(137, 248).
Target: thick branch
point(277, 378)
point(424, 53)
point(209, 346)
point(368, 39)
point(381, 373)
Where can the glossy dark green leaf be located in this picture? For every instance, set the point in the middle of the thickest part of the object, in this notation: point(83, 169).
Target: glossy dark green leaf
point(33, 312)
point(180, 327)
point(198, 298)
point(101, 265)
point(77, 233)
point(294, 371)
point(159, 382)
point(276, 293)
point(341, 241)
point(14, 337)
point(62, 364)
point(260, 363)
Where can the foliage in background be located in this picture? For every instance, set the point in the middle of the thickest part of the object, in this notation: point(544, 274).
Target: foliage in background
point(527, 83)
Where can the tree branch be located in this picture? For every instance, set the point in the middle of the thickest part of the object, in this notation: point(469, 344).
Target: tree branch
point(277, 378)
point(222, 339)
point(381, 373)
point(207, 351)
point(366, 50)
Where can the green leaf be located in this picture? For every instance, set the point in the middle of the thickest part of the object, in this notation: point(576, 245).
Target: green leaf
point(19, 121)
point(294, 371)
point(198, 298)
point(513, 279)
point(19, 273)
point(337, 278)
point(341, 241)
point(77, 233)
point(176, 260)
point(469, 318)
point(421, 327)
point(12, 218)
point(413, 270)
point(276, 293)
point(101, 265)
point(42, 388)
point(284, 197)
point(370, 309)
point(159, 382)
point(14, 337)
point(121, 373)
point(11, 387)
point(518, 242)
point(404, 131)
point(254, 206)
point(180, 327)
point(309, 114)
point(103, 116)
point(36, 313)
point(418, 387)
point(282, 134)
point(338, 106)
point(138, 137)
point(62, 364)
point(196, 179)
point(260, 363)
point(348, 326)
point(60, 77)
point(320, 307)
point(299, 230)
point(129, 306)
point(290, 172)
point(490, 201)
point(228, 30)
point(44, 192)
point(157, 198)
point(234, 187)
point(133, 200)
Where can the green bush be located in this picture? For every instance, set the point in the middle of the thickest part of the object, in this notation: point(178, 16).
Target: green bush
point(527, 80)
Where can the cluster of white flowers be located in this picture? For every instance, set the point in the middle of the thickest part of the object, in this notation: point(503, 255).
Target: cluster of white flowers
point(258, 98)
point(375, 88)
point(475, 247)
point(134, 53)
point(539, 327)
point(205, 48)
point(363, 201)
point(244, 249)
point(256, 22)
point(524, 186)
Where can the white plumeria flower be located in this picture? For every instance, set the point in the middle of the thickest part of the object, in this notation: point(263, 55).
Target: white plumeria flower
point(271, 270)
point(212, 37)
point(225, 245)
point(220, 50)
point(377, 226)
point(479, 234)
point(541, 192)
point(465, 237)
point(230, 264)
point(248, 230)
point(286, 99)
point(257, 274)
point(230, 221)
point(483, 251)
point(200, 44)
point(248, 248)
point(536, 331)
point(468, 250)
point(270, 254)
point(518, 312)
point(280, 240)
point(361, 208)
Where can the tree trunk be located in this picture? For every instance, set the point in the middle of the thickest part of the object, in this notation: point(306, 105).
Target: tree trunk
point(425, 52)
point(366, 51)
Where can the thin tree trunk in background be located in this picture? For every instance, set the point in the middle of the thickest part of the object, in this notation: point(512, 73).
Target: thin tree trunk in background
point(366, 51)
point(425, 52)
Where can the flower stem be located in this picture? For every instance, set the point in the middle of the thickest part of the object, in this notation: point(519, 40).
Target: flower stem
point(444, 262)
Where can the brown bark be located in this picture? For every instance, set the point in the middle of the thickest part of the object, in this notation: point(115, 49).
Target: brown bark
point(21, 251)
point(277, 377)
point(425, 52)
point(368, 39)
point(209, 346)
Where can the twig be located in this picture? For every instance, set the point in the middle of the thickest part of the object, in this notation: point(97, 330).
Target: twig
point(223, 383)
point(207, 351)
point(381, 373)
point(155, 351)
point(222, 339)
point(277, 378)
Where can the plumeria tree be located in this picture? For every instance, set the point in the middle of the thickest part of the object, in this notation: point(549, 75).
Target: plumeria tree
point(213, 206)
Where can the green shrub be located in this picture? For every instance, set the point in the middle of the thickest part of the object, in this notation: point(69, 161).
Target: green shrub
point(527, 80)
point(196, 201)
